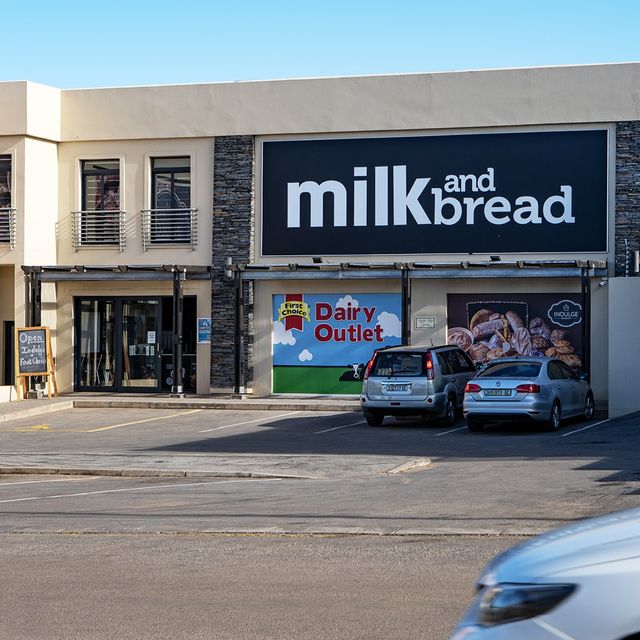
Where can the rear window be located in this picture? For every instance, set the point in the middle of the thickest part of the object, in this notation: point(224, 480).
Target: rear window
point(399, 364)
point(511, 370)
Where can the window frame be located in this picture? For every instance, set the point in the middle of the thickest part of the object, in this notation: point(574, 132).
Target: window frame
point(8, 212)
point(10, 158)
point(86, 173)
point(153, 172)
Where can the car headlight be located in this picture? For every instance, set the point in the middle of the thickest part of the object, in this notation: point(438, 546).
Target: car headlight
point(510, 602)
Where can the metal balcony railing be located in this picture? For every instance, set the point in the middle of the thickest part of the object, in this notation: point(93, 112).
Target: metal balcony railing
point(161, 227)
point(8, 227)
point(98, 229)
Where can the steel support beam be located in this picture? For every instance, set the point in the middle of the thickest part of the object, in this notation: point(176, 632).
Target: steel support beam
point(238, 342)
point(177, 389)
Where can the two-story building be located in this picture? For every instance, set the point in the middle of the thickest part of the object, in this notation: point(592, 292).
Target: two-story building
point(496, 209)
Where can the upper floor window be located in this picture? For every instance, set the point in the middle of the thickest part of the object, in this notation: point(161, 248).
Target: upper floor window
point(5, 182)
point(100, 220)
point(171, 218)
point(100, 185)
point(171, 183)
point(7, 213)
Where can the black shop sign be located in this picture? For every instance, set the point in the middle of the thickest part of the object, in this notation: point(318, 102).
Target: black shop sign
point(494, 193)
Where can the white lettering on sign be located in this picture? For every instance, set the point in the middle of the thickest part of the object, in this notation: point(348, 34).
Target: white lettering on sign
point(447, 210)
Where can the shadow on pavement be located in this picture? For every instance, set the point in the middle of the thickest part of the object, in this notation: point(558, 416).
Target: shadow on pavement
point(611, 447)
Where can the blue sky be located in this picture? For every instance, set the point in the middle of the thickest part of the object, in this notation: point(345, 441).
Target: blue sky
point(73, 44)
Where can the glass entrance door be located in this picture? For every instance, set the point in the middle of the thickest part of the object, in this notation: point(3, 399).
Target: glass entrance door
point(95, 344)
point(141, 344)
point(117, 344)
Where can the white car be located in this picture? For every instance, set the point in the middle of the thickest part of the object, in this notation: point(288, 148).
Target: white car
point(580, 582)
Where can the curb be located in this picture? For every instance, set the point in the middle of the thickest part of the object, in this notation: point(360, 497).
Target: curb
point(412, 465)
point(248, 405)
point(37, 411)
point(146, 473)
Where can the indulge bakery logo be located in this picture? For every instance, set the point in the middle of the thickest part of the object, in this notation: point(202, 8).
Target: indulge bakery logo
point(565, 313)
point(448, 206)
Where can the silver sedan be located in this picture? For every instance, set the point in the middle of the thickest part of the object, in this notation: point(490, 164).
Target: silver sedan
point(527, 388)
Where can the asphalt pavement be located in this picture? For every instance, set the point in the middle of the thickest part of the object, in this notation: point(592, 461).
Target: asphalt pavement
point(305, 471)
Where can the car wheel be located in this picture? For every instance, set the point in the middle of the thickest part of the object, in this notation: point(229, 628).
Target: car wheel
point(374, 419)
point(589, 408)
point(449, 417)
point(473, 424)
point(553, 424)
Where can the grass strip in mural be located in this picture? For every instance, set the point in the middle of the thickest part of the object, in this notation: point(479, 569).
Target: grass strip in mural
point(316, 380)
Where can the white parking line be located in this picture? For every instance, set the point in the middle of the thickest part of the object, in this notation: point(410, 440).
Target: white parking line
point(161, 486)
point(344, 426)
point(444, 433)
point(238, 424)
point(7, 484)
point(589, 426)
point(128, 424)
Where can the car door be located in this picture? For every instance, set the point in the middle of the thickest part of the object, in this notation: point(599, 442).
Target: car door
point(578, 390)
point(447, 376)
point(561, 387)
point(459, 372)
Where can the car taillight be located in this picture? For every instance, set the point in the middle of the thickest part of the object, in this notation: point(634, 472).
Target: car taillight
point(429, 366)
point(528, 388)
point(472, 388)
point(367, 371)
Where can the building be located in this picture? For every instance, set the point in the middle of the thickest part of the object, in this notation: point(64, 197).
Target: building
point(498, 209)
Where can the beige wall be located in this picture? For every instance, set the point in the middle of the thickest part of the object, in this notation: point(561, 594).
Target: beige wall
point(29, 109)
point(63, 334)
point(624, 345)
point(135, 192)
point(37, 220)
point(13, 108)
point(507, 97)
point(429, 298)
point(501, 97)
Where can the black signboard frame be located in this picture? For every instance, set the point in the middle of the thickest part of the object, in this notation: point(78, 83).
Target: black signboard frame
point(28, 370)
point(504, 192)
point(24, 371)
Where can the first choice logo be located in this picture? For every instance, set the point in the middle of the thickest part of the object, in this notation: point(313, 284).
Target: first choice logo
point(565, 313)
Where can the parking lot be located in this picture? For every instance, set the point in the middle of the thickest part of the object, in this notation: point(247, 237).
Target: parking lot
point(306, 472)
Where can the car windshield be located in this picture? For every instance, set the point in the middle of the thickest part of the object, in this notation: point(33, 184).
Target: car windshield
point(511, 370)
point(398, 364)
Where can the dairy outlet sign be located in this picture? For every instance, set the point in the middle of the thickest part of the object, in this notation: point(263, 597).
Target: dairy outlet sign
point(321, 343)
point(533, 192)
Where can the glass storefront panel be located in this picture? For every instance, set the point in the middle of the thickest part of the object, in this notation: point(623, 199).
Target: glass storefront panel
point(96, 343)
point(126, 344)
point(140, 338)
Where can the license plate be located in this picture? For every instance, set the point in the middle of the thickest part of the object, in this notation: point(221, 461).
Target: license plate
point(497, 392)
point(397, 387)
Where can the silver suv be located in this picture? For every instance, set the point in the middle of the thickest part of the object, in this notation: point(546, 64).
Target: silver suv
point(415, 381)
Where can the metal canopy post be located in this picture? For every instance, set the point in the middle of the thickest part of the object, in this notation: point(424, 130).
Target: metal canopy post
point(586, 321)
point(406, 305)
point(35, 299)
point(238, 342)
point(178, 299)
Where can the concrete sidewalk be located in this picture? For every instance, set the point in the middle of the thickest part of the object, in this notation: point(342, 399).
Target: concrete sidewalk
point(39, 407)
point(136, 465)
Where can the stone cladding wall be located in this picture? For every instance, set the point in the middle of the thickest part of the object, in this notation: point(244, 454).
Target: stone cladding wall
point(627, 199)
point(233, 236)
